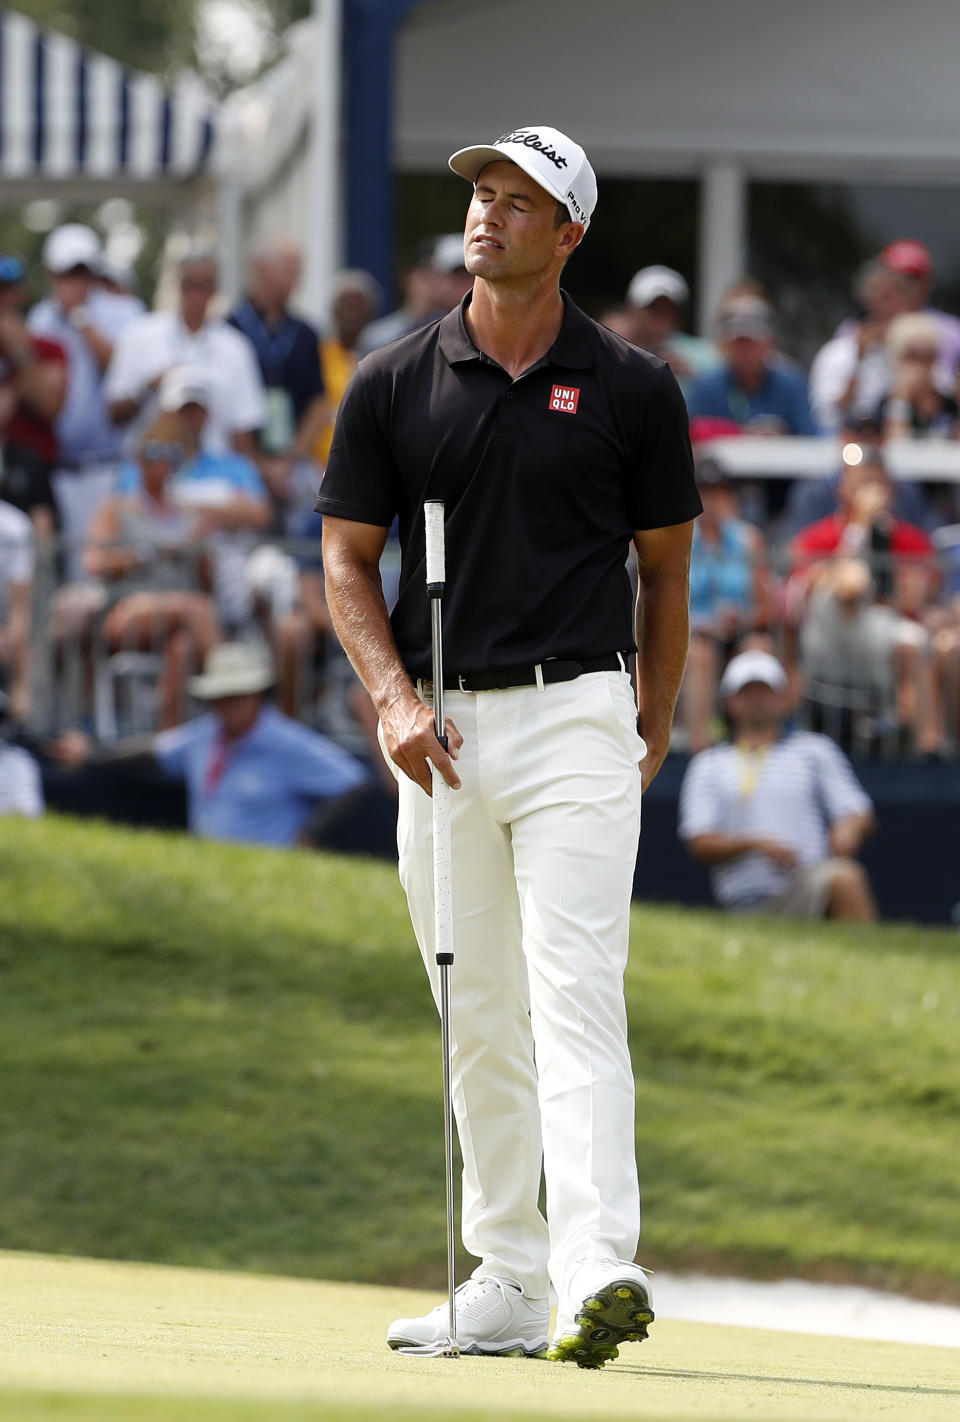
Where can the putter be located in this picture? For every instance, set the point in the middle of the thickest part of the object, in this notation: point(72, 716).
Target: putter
point(442, 903)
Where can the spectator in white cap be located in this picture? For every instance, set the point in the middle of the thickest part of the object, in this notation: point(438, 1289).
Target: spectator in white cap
point(223, 488)
point(657, 298)
point(87, 322)
point(752, 387)
point(159, 340)
point(778, 815)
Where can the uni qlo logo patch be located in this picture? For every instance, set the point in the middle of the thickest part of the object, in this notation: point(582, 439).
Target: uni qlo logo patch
point(565, 398)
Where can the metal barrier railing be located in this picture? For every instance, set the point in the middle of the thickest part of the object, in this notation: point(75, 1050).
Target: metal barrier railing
point(882, 678)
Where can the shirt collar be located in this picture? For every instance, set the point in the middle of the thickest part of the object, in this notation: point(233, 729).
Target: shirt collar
point(574, 348)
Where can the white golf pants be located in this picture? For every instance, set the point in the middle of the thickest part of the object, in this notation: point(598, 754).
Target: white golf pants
point(544, 833)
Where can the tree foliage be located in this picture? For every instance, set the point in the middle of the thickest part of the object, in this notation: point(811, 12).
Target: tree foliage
point(158, 38)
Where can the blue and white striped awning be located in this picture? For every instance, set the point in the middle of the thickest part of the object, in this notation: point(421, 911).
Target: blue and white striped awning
point(68, 112)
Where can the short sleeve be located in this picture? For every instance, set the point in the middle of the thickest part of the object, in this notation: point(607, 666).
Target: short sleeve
point(361, 480)
point(662, 490)
point(170, 749)
point(245, 407)
point(324, 769)
point(840, 791)
point(125, 375)
point(699, 811)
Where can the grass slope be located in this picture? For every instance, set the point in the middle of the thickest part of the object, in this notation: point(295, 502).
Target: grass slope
point(227, 1057)
point(91, 1340)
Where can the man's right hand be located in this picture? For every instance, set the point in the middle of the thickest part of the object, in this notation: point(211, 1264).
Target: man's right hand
point(781, 854)
point(411, 742)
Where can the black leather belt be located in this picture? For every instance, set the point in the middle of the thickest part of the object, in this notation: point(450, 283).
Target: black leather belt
point(554, 670)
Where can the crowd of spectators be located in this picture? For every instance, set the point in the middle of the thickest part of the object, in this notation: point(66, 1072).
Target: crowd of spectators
point(164, 465)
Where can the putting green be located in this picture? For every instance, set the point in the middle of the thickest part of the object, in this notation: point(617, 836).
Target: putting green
point(83, 1339)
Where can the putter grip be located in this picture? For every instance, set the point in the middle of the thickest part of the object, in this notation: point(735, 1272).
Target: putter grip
point(433, 521)
point(442, 868)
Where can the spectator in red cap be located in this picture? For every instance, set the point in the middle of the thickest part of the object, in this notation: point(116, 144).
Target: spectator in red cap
point(912, 261)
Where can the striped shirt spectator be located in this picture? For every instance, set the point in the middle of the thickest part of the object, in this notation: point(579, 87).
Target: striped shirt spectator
point(777, 817)
point(21, 792)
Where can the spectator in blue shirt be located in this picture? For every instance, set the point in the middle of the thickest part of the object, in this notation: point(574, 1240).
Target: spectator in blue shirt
point(251, 773)
point(751, 387)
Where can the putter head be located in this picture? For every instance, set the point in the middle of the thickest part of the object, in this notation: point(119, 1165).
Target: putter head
point(443, 1348)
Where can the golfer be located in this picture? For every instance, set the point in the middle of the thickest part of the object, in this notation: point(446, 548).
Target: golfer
point(553, 443)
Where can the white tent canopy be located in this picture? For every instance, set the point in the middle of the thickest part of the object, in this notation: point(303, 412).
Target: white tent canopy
point(77, 125)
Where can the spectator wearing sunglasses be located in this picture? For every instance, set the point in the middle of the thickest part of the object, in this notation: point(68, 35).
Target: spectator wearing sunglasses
point(146, 547)
point(222, 488)
point(916, 407)
point(191, 335)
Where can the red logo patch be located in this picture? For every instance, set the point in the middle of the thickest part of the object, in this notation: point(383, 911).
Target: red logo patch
point(565, 398)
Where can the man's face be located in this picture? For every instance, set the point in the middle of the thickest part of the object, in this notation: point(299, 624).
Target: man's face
point(237, 714)
point(885, 296)
point(198, 284)
point(659, 319)
point(351, 312)
point(72, 288)
point(12, 296)
point(755, 706)
point(510, 232)
point(279, 274)
point(193, 418)
point(866, 489)
point(747, 356)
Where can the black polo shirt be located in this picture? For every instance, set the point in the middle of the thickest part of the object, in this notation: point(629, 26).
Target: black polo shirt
point(544, 479)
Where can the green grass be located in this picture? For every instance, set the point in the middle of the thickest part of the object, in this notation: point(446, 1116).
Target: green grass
point(227, 1057)
point(88, 1341)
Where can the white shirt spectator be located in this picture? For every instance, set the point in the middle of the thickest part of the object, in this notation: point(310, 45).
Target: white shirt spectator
point(832, 369)
point(802, 785)
point(85, 432)
point(21, 790)
point(16, 547)
point(159, 340)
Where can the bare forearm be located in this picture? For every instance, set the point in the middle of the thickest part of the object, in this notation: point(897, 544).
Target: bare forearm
point(847, 835)
point(360, 619)
point(720, 848)
point(41, 387)
point(663, 635)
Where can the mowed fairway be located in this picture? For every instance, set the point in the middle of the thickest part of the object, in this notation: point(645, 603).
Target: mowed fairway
point(94, 1340)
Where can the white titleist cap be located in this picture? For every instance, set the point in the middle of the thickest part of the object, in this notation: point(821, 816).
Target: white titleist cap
point(653, 282)
point(553, 160)
point(752, 666)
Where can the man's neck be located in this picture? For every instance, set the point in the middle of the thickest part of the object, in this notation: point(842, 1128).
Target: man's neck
point(515, 326)
point(270, 310)
point(755, 738)
point(753, 382)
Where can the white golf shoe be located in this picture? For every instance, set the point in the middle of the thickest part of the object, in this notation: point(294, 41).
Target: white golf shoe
point(605, 1302)
point(493, 1317)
